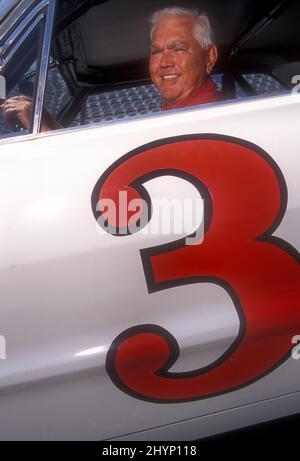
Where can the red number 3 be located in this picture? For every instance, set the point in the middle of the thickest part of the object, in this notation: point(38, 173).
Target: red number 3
point(245, 201)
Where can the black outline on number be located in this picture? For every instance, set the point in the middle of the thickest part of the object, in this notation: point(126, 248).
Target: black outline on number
point(164, 373)
point(147, 253)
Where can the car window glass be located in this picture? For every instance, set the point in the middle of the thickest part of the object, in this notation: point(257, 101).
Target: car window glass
point(20, 80)
point(57, 93)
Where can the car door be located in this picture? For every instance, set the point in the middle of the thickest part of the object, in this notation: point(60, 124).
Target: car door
point(119, 321)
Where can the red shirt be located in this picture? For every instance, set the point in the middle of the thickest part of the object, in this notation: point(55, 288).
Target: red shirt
point(205, 94)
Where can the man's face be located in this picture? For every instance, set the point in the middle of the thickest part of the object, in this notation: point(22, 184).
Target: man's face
point(178, 63)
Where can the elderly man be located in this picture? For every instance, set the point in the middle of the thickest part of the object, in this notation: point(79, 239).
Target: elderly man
point(182, 58)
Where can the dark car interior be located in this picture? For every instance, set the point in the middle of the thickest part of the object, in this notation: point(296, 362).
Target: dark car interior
point(98, 69)
point(103, 46)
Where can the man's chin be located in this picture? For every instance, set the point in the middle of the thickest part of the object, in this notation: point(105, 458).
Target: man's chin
point(169, 97)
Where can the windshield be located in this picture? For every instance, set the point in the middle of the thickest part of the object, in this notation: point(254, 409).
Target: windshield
point(18, 83)
point(6, 6)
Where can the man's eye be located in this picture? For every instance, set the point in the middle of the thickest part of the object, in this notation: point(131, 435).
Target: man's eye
point(179, 50)
point(153, 52)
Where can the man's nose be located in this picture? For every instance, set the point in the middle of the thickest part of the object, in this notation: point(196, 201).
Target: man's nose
point(167, 59)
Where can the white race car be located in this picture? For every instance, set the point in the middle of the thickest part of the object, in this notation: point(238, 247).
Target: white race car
point(149, 261)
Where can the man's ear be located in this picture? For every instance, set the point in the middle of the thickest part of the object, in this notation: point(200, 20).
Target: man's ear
point(212, 56)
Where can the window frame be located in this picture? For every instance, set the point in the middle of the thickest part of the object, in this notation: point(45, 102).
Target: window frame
point(43, 67)
point(13, 39)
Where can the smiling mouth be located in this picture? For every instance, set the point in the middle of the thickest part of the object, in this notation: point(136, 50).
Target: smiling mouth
point(170, 77)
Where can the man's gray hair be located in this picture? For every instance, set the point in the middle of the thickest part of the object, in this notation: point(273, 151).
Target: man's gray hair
point(202, 29)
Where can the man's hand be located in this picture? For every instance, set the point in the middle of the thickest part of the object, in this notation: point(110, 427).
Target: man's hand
point(18, 108)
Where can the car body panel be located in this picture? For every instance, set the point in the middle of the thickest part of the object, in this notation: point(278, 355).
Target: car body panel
point(68, 289)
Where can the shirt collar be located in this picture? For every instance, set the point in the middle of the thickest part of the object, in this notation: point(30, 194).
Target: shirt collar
point(205, 94)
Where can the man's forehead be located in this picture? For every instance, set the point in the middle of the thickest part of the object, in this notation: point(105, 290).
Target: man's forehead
point(170, 31)
point(179, 27)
